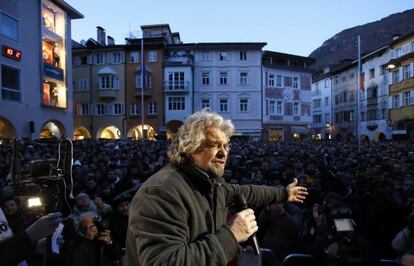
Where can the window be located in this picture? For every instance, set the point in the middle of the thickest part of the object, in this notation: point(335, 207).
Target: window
point(348, 116)
point(406, 71)
point(243, 105)
point(295, 108)
point(278, 81)
point(396, 101)
point(243, 78)
point(9, 27)
point(317, 119)
point(351, 96)
point(243, 55)
point(271, 80)
point(147, 79)
point(152, 56)
point(152, 108)
point(327, 119)
point(108, 82)
point(134, 109)
point(223, 56)
point(372, 73)
point(205, 56)
point(326, 83)
point(99, 58)
point(118, 109)
point(223, 78)
point(117, 57)
point(10, 84)
point(279, 107)
point(84, 60)
point(406, 98)
point(205, 103)
point(176, 80)
point(352, 75)
point(336, 79)
point(134, 57)
point(99, 109)
point(317, 103)
point(224, 105)
point(83, 85)
point(176, 103)
point(343, 79)
point(271, 107)
point(205, 78)
point(327, 101)
point(295, 82)
point(395, 77)
point(84, 109)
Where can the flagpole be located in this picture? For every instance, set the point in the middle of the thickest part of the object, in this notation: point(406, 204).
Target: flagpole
point(357, 93)
point(142, 86)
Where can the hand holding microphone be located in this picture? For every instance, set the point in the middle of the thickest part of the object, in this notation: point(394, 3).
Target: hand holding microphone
point(244, 226)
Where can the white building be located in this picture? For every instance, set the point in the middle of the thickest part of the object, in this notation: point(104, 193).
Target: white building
point(322, 107)
point(374, 111)
point(287, 96)
point(178, 85)
point(35, 77)
point(228, 80)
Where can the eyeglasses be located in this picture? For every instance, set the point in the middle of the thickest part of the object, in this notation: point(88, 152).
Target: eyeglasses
point(218, 146)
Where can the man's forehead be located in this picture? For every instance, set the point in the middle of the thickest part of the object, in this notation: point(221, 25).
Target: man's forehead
point(214, 134)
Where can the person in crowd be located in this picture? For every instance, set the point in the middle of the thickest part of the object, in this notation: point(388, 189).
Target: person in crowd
point(16, 218)
point(403, 242)
point(24, 244)
point(83, 204)
point(93, 246)
point(178, 216)
point(118, 219)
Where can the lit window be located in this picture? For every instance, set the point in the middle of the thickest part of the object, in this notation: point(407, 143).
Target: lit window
point(9, 27)
point(10, 84)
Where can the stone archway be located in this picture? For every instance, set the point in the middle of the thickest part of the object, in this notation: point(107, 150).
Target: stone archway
point(81, 133)
point(52, 129)
point(109, 132)
point(364, 138)
point(379, 136)
point(6, 128)
point(172, 127)
point(136, 132)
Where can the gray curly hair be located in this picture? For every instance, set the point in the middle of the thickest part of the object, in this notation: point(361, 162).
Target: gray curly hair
point(192, 134)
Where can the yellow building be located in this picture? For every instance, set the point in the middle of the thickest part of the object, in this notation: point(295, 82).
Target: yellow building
point(401, 90)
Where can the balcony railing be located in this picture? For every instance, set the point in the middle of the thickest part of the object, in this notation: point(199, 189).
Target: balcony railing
point(176, 86)
point(108, 94)
point(178, 60)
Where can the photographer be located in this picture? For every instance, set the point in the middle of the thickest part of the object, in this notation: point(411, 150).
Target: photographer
point(403, 242)
point(93, 246)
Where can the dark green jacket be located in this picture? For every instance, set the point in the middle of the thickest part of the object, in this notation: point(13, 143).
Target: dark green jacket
point(178, 217)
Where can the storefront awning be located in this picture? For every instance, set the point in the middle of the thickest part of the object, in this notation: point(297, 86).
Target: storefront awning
point(299, 130)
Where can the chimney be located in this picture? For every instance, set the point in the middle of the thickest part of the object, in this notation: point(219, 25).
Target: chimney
point(111, 40)
point(100, 32)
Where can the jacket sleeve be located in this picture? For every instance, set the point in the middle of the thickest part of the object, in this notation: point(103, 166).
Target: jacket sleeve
point(403, 241)
point(15, 249)
point(256, 196)
point(159, 223)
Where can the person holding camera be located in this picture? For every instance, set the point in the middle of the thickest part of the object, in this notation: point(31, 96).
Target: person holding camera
point(403, 242)
point(93, 246)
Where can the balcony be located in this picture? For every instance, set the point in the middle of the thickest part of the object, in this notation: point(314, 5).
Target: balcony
point(401, 86)
point(107, 94)
point(176, 86)
point(372, 101)
point(177, 60)
point(147, 92)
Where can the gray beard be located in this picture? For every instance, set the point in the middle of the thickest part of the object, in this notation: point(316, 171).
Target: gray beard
point(216, 172)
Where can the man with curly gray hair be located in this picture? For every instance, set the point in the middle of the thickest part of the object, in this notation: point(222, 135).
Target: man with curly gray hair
point(179, 215)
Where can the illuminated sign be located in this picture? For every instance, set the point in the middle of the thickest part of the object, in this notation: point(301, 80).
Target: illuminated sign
point(11, 52)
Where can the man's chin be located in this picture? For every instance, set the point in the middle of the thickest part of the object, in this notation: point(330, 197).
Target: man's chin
point(216, 172)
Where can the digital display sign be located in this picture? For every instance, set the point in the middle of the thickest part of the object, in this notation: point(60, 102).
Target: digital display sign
point(11, 52)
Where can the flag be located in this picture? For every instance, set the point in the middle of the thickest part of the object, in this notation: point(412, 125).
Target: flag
point(362, 81)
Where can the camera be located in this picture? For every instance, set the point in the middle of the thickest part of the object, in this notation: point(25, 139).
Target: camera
point(101, 224)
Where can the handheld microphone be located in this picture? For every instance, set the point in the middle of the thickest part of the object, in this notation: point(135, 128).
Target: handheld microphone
point(253, 239)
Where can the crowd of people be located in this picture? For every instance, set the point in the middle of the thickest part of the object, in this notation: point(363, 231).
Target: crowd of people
point(359, 207)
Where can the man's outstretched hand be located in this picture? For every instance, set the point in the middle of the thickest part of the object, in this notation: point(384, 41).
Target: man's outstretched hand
point(296, 193)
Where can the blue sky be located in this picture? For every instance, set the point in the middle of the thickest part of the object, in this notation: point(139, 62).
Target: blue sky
point(288, 26)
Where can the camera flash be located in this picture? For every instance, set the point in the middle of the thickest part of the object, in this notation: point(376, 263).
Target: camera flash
point(34, 202)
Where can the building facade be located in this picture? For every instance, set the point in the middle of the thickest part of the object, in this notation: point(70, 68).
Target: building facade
point(287, 99)
point(322, 107)
point(401, 88)
point(227, 79)
point(36, 73)
point(98, 88)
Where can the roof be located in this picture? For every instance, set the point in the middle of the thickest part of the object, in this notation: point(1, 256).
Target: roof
point(229, 45)
point(73, 13)
point(288, 56)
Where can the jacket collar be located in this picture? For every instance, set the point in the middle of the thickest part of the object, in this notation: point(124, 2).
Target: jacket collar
point(201, 179)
